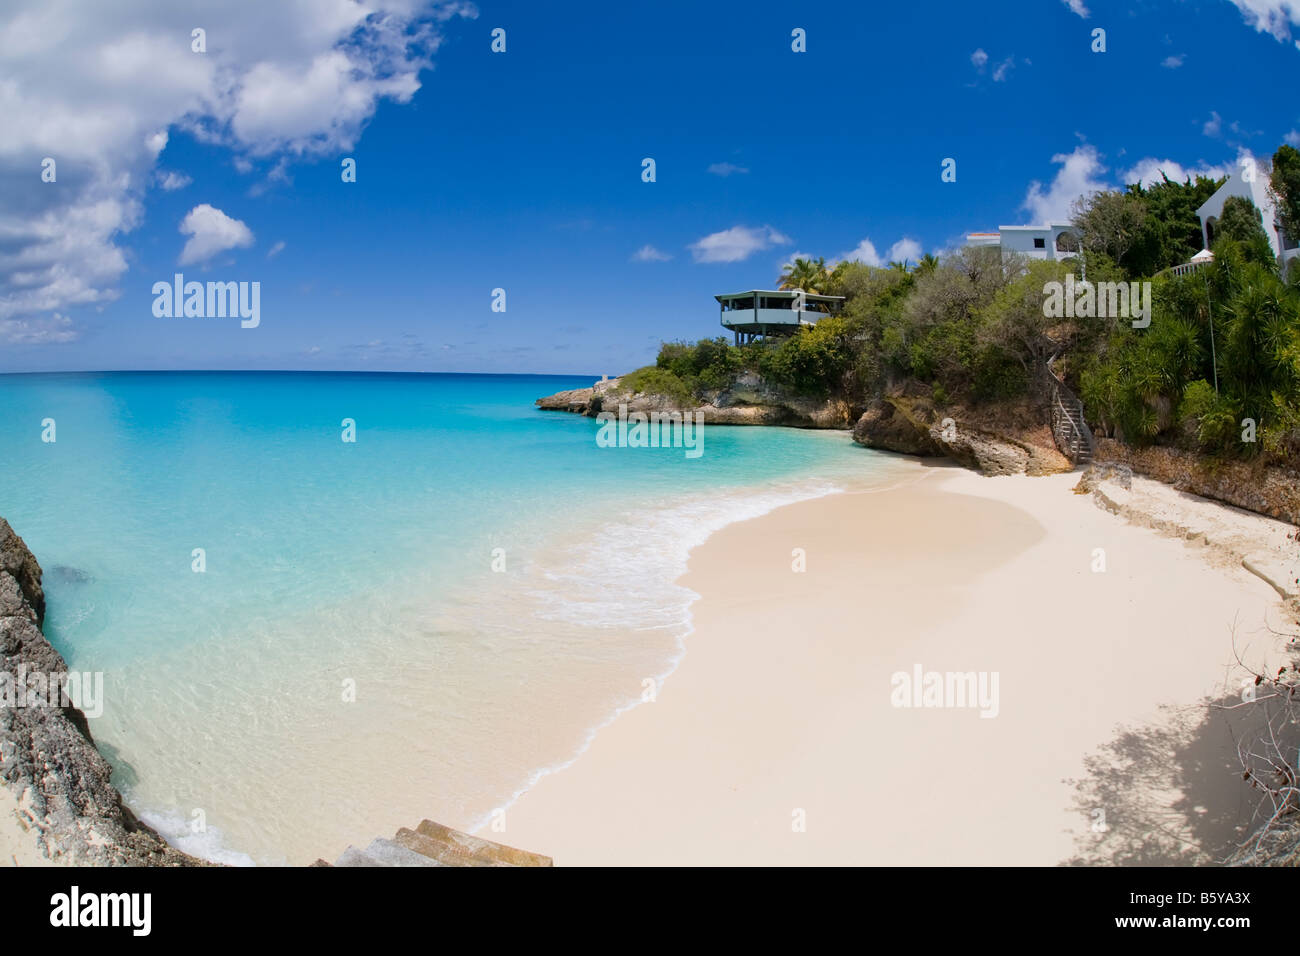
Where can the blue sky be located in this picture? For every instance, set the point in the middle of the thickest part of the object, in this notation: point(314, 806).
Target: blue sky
point(522, 170)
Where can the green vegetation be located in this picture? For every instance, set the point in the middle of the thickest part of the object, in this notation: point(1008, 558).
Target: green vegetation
point(1217, 370)
point(659, 381)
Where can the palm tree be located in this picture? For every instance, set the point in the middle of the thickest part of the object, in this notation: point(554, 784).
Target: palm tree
point(927, 264)
point(805, 274)
point(899, 266)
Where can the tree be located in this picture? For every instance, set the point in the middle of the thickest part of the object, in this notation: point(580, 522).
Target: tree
point(1284, 186)
point(1016, 320)
point(805, 274)
point(925, 265)
point(1171, 232)
point(1241, 222)
point(1110, 222)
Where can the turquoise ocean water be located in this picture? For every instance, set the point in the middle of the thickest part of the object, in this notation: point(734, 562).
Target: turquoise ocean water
point(349, 661)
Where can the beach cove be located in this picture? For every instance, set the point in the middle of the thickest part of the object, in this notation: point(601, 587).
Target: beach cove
point(776, 741)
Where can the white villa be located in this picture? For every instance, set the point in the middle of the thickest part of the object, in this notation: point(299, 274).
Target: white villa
point(1256, 190)
point(1056, 240)
point(765, 312)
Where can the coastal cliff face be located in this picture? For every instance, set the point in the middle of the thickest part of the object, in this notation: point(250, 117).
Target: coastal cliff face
point(1007, 440)
point(1265, 490)
point(750, 400)
point(65, 807)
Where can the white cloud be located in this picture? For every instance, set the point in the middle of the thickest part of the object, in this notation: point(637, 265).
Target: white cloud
point(979, 58)
point(44, 331)
point(99, 86)
point(211, 231)
point(648, 253)
point(1006, 66)
point(905, 250)
point(864, 252)
point(1213, 126)
point(275, 250)
point(736, 244)
point(1293, 138)
point(726, 169)
point(1148, 171)
point(1271, 16)
point(1172, 62)
point(1079, 175)
point(1078, 7)
point(170, 180)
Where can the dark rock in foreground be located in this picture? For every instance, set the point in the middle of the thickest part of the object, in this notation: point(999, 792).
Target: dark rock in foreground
point(48, 760)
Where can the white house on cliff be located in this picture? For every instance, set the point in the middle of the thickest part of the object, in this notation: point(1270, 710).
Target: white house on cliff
point(1255, 189)
point(1058, 240)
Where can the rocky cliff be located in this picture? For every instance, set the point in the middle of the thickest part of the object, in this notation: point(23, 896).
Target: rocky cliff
point(748, 401)
point(66, 808)
point(1006, 439)
point(1266, 490)
point(1001, 440)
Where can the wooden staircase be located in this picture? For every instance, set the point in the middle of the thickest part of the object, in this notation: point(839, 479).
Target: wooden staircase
point(432, 844)
point(1069, 426)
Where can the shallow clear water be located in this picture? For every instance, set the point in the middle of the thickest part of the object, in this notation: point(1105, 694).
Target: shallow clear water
point(350, 661)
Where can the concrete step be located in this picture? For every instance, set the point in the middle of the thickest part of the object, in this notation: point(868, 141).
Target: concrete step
point(437, 850)
point(354, 857)
point(462, 847)
point(389, 853)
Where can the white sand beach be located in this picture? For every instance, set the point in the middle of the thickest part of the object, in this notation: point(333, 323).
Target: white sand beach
point(781, 709)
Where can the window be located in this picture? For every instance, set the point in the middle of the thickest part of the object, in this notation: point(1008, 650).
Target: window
point(1040, 243)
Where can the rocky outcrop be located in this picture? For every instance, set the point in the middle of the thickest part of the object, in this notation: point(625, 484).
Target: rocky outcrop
point(66, 805)
point(750, 400)
point(894, 426)
point(915, 426)
point(1009, 439)
point(1264, 489)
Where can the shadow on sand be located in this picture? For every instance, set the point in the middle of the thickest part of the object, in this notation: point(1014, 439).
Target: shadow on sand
point(1171, 791)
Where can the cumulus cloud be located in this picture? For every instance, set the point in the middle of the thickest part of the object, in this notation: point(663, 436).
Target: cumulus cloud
point(979, 58)
point(170, 180)
point(1148, 171)
point(275, 250)
point(1002, 69)
point(904, 250)
point(648, 253)
point(1271, 16)
point(55, 328)
point(211, 231)
point(1172, 62)
point(1080, 175)
point(97, 87)
point(1213, 126)
point(864, 252)
point(726, 169)
point(736, 244)
point(1293, 138)
point(1079, 7)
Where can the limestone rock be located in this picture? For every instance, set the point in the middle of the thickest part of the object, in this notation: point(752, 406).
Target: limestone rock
point(48, 760)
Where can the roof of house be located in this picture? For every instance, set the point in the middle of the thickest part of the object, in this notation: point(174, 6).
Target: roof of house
point(782, 293)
